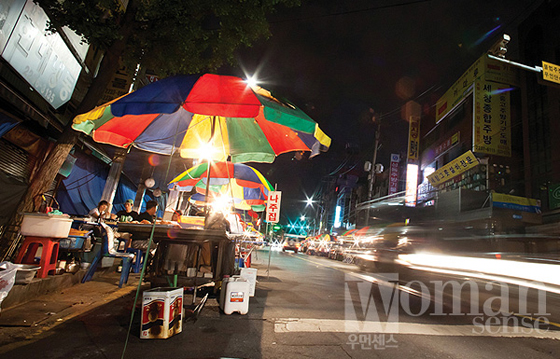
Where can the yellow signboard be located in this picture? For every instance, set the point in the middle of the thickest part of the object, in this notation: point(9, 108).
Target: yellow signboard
point(454, 168)
point(413, 138)
point(501, 200)
point(484, 68)
point(492, 119)
point(551, 72)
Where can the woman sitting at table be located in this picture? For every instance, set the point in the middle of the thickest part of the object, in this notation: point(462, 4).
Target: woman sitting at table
point(101, 212)
point(176, 215)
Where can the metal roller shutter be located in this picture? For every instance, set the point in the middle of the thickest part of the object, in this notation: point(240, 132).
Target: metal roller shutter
point(14, 160)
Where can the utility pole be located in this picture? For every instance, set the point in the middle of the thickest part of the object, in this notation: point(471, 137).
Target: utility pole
point(372, 170)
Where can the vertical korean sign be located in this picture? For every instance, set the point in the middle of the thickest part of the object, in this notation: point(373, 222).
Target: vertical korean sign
point(273, 206)
point(492, 119)
point(394, 173)
point(413, 138)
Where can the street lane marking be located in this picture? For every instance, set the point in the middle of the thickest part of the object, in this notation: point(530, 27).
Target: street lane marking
point(305, 325)
point(380, 280)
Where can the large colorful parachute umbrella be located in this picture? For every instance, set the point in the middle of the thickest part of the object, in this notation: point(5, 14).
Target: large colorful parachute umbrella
point(219, 115)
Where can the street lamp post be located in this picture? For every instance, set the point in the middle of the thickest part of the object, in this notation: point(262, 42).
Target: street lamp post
point(372, 170)
point(311, 203)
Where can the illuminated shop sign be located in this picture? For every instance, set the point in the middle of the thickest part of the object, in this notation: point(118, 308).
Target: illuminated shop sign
point(411, 185)
point(41, 58)
point(273, 206)
point(551, 72)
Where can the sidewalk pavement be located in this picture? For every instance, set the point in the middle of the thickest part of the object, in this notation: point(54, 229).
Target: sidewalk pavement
point(41, 306)
point(40, 312)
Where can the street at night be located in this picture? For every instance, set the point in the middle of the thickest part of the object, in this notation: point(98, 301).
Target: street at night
point(279, 179)
point(303, 308)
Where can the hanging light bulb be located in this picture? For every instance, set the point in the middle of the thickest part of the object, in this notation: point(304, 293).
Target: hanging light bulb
point(149, 182)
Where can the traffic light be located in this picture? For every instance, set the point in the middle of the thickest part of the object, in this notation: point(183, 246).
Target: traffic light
point(276, 227)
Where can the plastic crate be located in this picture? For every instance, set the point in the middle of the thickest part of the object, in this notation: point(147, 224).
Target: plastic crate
point(73, 242)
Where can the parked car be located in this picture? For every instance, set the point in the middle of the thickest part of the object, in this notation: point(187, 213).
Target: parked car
point(338, 250)
point(323, 249)
point(334, 251)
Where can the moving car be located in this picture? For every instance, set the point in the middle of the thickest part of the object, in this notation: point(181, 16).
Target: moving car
point(291, 244)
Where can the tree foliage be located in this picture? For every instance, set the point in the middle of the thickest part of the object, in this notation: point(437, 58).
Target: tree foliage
point(168, 36)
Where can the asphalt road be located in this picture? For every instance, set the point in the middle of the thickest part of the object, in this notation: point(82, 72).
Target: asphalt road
point(319, 308)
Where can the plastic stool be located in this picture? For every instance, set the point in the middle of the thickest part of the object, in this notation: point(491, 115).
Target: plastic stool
point(49, 255)
point(139, 259)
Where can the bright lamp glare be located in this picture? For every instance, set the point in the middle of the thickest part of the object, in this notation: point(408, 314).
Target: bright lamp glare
point(206, 151)
point(251, 81)
point(222, 204)
point(309, 202)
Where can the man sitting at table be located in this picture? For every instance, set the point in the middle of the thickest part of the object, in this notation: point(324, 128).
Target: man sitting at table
point(148, 216)
point(127, 214)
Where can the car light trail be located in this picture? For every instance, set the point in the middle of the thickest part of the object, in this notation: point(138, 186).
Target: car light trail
point(535, 275)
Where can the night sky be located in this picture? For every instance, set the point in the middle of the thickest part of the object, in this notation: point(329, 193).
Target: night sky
point(338, 59)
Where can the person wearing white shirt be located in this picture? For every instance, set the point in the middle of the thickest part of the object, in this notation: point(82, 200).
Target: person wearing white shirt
point(100, 212)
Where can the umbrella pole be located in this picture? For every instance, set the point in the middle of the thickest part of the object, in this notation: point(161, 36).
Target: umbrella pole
point(207, 210)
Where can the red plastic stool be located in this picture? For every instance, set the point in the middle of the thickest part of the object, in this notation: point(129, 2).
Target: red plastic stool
point(49, 255)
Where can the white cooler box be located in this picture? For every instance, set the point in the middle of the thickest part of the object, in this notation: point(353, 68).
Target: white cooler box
point(251, 275)
point(234, 296)
point(46, 225)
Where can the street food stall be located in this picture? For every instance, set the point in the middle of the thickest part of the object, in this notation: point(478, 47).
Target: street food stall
point(189, 257)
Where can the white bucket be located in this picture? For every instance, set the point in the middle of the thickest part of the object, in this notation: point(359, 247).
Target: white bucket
point(236, 298)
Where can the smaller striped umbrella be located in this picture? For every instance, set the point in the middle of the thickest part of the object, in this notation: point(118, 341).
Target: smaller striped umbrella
point(246, 187)
point(221, 173)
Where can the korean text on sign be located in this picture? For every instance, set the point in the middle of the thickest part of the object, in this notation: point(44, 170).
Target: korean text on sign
point(273, 207)
point(551, 72)
point(454, 168)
